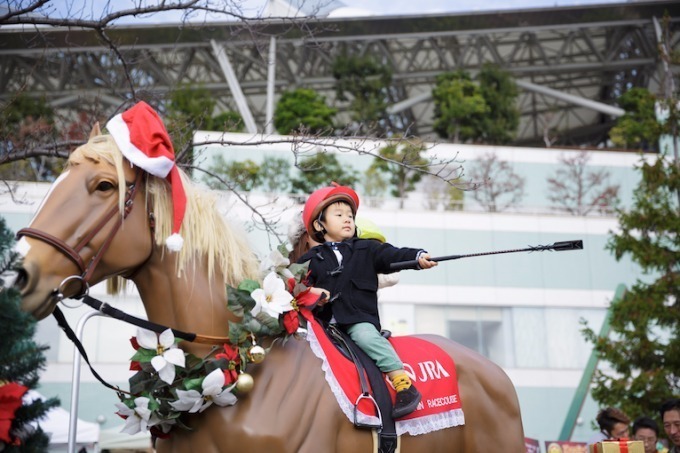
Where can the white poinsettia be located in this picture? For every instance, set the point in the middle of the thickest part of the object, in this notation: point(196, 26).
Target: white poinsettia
point(169, 355)
point(272, 298)
point(136, 419)
point(192, 401)
point(273, 261)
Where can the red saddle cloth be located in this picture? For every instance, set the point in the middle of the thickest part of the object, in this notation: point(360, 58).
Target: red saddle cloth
point(430, 368)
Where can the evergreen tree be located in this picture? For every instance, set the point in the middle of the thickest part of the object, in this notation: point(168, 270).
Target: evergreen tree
point(459, 107)
point(319, 171)
point(400, 163)
point(365, 83)
point(638, 127)
point(306, 109)
point(643, 349)
point(21, 361)
point(499, 91)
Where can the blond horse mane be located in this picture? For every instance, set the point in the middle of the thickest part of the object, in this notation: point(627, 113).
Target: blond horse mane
point(205, 231)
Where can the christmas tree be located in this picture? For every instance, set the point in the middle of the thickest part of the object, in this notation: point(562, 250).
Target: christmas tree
point(21, 360)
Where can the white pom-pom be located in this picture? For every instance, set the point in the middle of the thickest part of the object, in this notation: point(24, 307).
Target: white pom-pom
point(174, 242)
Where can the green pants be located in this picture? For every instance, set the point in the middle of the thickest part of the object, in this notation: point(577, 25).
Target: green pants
point(367, 337)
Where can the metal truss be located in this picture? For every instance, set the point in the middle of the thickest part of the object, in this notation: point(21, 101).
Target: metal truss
point(588, 54)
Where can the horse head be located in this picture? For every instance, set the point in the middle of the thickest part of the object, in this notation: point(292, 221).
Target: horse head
point(92, 225)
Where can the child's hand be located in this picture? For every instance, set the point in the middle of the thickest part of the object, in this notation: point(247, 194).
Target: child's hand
point(324, 295)
point(424, 261)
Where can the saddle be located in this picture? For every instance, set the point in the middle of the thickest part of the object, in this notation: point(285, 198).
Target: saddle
point(431, 369)
point(375, 390)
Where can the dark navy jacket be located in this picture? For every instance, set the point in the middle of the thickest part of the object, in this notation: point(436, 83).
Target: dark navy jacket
point(354, 285)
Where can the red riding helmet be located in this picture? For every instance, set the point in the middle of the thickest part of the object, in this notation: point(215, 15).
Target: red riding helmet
point(323, 197)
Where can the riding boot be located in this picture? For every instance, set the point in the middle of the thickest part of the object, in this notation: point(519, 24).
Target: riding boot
point(407, 401)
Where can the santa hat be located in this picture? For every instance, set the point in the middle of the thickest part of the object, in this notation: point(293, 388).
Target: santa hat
point(142, 138)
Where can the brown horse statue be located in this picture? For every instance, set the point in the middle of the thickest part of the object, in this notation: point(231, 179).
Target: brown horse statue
point(92, 224)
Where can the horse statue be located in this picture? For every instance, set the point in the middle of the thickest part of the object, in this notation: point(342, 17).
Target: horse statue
point(92, 224)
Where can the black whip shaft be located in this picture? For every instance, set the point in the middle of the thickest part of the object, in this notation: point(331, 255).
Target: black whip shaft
point(556, 247)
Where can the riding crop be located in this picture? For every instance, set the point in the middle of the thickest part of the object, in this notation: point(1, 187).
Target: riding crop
point(556, 247)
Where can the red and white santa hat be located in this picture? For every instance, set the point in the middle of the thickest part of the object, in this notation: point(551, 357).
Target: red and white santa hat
point(142, 138)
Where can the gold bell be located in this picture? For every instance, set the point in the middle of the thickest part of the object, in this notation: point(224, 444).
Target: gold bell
point(244, 383)
point(256, 353)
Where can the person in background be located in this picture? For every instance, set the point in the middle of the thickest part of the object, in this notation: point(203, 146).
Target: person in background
point(613, 423)
point(647, 430)
point(670, 417)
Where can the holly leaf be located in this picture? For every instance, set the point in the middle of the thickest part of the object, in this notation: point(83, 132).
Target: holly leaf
point(248, 286)
point(143, 355)
point(193, 384)
point(141, 382)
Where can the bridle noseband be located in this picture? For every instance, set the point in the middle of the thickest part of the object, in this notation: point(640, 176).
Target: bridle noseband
point(73, 253)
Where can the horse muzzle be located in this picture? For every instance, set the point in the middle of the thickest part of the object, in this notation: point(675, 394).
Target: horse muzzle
point(40, 294)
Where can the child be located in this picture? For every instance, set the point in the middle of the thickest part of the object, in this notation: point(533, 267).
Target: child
point(344, 269)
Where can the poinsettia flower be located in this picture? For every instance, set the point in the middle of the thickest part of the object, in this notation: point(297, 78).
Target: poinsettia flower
point(231, 355)
point(168, 354)
point(273, 261)
point(192, 401)
point(272, 298)
point(137, 418)
point(304, 299)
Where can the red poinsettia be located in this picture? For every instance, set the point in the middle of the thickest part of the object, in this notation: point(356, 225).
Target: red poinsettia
point(10, 400)
point(134, 365)
point(232, 356)
point(303, 299)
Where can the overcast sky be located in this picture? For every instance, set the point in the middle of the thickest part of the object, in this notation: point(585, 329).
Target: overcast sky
point(252, 8)
point(400, 7)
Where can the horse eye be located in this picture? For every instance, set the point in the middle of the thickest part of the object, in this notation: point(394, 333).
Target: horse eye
point(105, 186)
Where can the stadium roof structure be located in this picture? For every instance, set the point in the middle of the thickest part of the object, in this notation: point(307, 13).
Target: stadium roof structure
point(570, 63)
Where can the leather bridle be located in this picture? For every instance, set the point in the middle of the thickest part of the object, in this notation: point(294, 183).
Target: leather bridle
point(73, 253)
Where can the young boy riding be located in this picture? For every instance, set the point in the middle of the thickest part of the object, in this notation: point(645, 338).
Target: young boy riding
point(344, 272)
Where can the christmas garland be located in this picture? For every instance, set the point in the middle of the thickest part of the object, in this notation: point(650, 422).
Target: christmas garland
point(171, 384)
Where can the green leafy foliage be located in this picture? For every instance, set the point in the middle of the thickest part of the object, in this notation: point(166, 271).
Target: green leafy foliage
point(498, 88)
point(275, 175)
point(459, 107)
point(242, 175)
point(21, 359)
point(400, 163)
point(638, 127)
point(192, 108)
point(644, 347)
point(365, 83)
point(303, 110)
point(320, 170)
point(481, 111)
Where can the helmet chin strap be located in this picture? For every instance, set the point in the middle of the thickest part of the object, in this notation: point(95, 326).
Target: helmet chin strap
point(323, 230)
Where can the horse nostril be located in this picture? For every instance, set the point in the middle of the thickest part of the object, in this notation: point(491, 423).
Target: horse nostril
point(21, 279)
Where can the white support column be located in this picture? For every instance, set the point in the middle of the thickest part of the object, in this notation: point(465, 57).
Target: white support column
point(271, 78)
point(577, 100)
point(235, 87)
point(588, 103)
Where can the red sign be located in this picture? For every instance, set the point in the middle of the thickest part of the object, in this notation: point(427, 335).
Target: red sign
point(532, 445)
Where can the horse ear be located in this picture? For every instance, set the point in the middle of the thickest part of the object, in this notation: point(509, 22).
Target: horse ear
point(96, 130)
